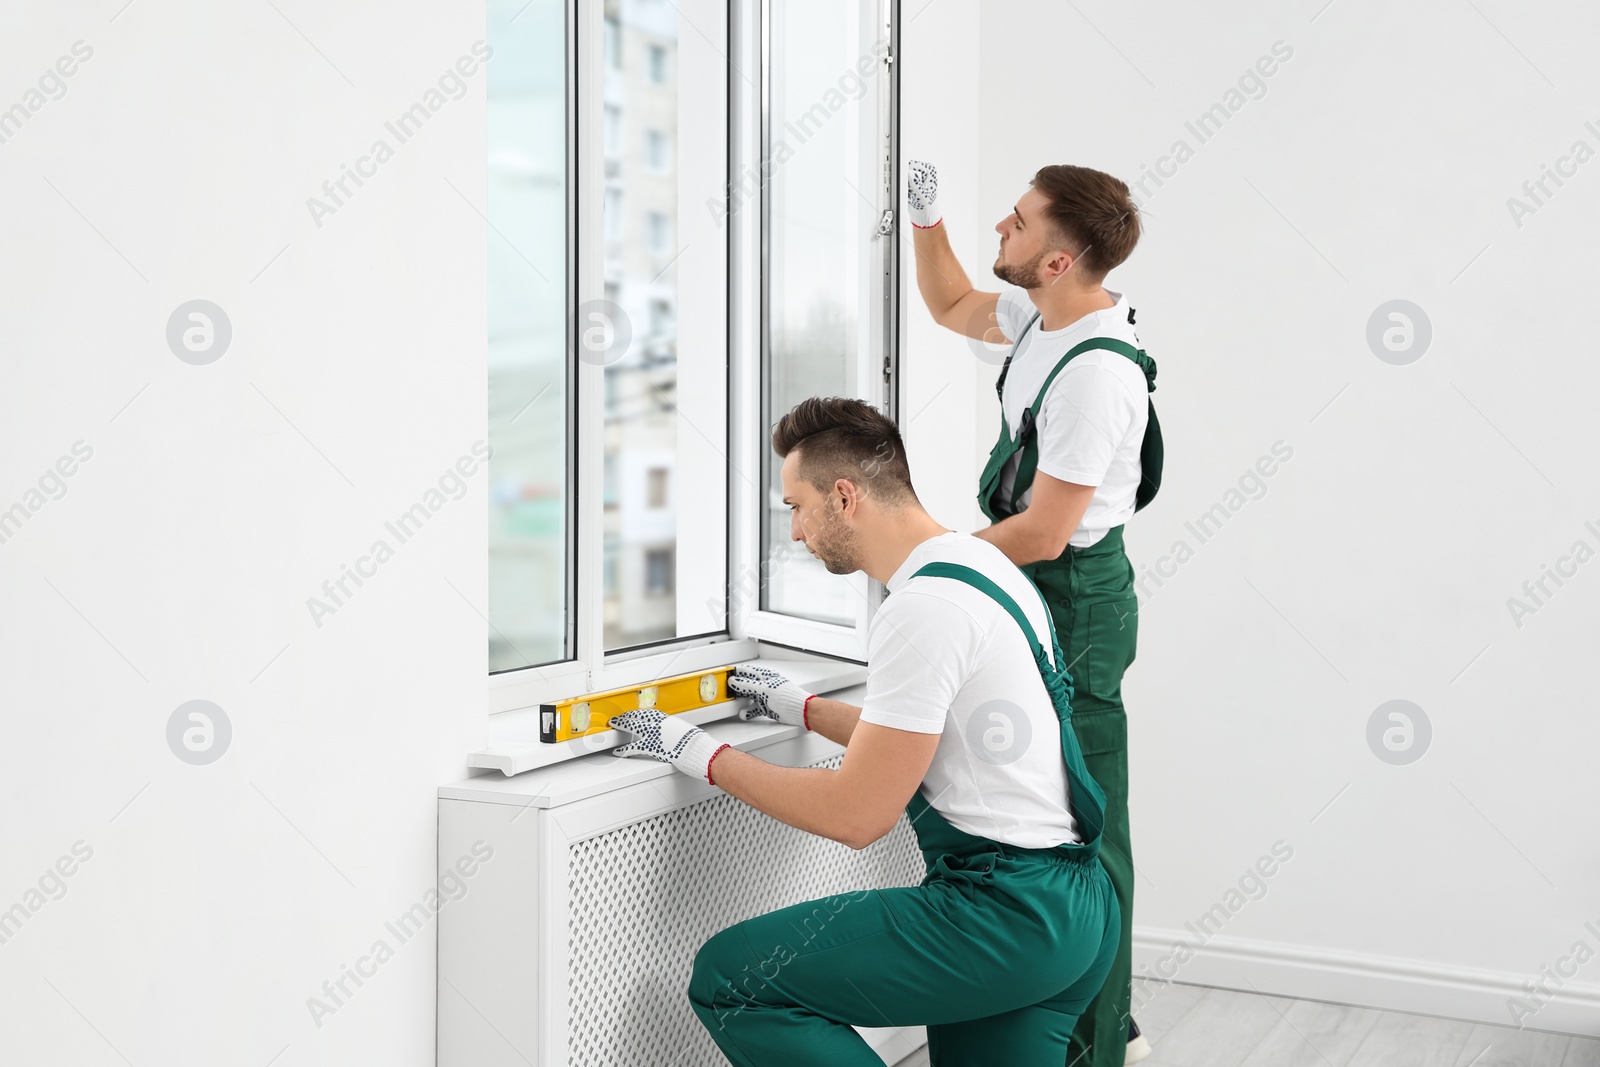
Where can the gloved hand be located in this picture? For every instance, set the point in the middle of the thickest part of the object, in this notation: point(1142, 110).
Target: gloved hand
point(922, 190)
point(668, 739)
point(776, 698)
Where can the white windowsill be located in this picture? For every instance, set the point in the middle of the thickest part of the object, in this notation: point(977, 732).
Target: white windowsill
point(514, 747)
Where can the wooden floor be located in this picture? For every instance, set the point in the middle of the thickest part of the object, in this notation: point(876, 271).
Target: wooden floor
point(1193, 1026)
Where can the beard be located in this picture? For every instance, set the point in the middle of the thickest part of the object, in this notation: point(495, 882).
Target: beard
point(1023, 274)
point(838, 547)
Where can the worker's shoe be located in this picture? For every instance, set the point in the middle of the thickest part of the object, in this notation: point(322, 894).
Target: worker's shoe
point(1138, 1047)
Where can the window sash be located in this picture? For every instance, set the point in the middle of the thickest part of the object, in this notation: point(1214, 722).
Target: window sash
point(591, 668)
point(873, 384)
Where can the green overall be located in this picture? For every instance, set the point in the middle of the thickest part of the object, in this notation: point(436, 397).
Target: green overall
point(1091, 599)
point(996, 952)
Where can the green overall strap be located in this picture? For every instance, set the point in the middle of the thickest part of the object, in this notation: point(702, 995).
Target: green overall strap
point(1028, 462)
point(1086, 799)
point(1138, 355)
point(981, 582)
point(1151, 449)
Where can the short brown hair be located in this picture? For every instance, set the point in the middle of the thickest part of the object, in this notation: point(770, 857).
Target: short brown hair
point(1092, 211)
point(839, 437)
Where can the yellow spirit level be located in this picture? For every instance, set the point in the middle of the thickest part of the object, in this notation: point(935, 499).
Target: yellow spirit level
point(592, 714)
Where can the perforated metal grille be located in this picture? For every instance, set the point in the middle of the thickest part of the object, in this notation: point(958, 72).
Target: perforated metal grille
point(645, 897)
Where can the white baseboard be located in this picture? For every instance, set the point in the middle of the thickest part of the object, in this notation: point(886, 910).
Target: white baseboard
point(1386, 982)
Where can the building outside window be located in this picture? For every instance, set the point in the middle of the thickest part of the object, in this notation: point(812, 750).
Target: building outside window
point(655, 151)
point(658, 572)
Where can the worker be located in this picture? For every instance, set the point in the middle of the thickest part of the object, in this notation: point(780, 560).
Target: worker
point(965, 727)
point(1079, 451)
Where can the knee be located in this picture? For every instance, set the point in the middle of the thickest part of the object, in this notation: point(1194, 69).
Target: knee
point(714, 968)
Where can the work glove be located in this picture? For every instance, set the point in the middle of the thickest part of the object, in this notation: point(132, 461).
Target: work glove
point(922, 190)
point(774, 697)
point(668, 739)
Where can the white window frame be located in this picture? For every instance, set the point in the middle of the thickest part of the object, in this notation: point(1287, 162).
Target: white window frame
point(592, 668)
point(878, 331)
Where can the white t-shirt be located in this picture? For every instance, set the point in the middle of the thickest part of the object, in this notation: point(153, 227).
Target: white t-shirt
point(945, 658)
point(1093, 419)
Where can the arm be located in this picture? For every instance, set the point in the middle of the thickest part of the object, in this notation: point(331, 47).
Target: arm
point(1041, 531)
point(950, 297)
point(854, 805)
point(833, 719)
point(918, 667)
point(1087, 412)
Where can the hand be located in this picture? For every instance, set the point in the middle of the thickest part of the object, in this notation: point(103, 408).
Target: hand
point(668, 739)
point(776, 699)
point(922, 190)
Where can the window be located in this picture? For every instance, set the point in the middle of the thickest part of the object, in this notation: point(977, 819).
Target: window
point(615, 418)
point(529, 388)
point(613, 132)
point(660, 233)
point(658, 572)
point(613, 231)
point(655, 151)
point(659, 479)
point(827, 304)
point(613, 41)
point(661, 318)
point(666, 421)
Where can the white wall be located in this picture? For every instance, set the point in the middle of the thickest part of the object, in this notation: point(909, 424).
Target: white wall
point(1378, 563)
point(940, 111)
point(217, 500)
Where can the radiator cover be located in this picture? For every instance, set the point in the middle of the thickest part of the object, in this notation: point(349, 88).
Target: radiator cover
point(575, 943)
point(698, 869)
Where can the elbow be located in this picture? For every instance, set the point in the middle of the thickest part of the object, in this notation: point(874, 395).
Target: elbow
point(1047, 543)
point(859, 837)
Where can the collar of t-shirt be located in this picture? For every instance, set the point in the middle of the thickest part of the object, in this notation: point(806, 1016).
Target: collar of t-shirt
point(1086, 324)
point(923, 553)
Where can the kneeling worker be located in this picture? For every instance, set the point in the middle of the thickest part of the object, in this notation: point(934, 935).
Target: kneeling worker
point(966, 726)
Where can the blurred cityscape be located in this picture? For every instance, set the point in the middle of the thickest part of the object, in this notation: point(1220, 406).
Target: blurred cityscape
point(527, 329)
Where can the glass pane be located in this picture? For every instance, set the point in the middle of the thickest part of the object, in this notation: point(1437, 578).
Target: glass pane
point(528, 490)
point(818, 225)
point(664, 348)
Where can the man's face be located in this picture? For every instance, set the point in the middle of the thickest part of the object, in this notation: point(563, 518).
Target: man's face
point(1024, 242)
point(818, 519)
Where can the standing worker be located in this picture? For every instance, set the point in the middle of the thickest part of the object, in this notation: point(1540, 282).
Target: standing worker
point(965, 729)
point(1079, 451)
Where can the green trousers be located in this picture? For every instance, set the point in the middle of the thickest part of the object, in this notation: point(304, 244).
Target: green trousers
point(1096, 613)
point(997, 952)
